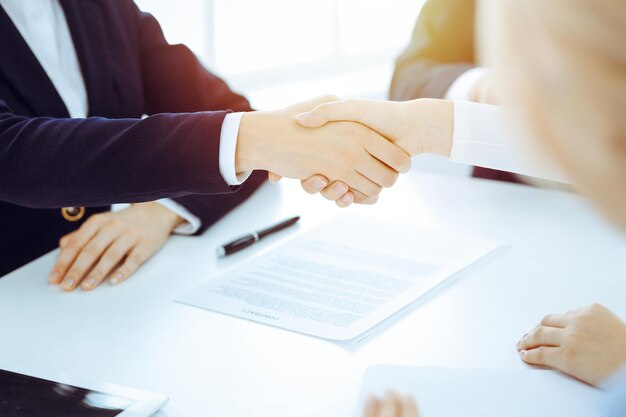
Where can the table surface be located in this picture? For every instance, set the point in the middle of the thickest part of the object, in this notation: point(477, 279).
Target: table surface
point(559, 255)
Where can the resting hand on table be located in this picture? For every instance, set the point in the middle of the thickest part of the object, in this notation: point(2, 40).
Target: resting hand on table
point(346, 152)
point(392, 405)
point(417, 126)
point(587, 343)
point(112, 244)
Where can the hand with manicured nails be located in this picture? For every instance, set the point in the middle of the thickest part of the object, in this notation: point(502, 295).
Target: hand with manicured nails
point(392, 405)
point(112, 244)
point(587, 343)
point(417, 126)
point(346, 152)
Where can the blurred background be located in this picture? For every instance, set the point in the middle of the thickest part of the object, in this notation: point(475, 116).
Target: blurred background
point(278, 52)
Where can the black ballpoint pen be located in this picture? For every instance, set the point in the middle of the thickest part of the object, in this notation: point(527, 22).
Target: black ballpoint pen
point(249, 240)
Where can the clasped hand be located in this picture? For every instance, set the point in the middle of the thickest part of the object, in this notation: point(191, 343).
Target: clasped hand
point(416, 127)
point(342, 153)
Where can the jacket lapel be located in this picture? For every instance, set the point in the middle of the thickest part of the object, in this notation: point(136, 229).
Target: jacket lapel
point(21, 69)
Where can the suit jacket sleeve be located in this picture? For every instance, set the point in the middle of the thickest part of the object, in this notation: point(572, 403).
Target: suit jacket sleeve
point(441, 50)
point(175, 81)
point(50, 163)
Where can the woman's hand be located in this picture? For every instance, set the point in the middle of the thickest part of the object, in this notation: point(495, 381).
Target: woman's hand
point(112, 244)
point(392, 405)
point(417, 126)
point(587, 343)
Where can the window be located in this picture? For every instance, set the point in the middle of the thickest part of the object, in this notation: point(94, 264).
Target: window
point(281, 51)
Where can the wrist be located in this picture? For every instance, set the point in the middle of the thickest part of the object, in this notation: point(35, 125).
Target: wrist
point(436, 126)
point(252, 146)
point(165, 216)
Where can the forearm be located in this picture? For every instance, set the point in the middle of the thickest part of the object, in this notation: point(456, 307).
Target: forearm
point(50, 163)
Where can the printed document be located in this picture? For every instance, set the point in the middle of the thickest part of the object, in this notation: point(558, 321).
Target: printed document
point(341, 279)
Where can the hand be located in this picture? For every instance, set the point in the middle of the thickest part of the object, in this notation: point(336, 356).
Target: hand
point(338, 191)
point(346, 152)
point(393, 405)
point(112, 244)
point(418, 126)
point(587, 343)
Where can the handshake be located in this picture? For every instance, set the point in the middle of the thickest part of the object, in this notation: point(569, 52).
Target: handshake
point(347, 150)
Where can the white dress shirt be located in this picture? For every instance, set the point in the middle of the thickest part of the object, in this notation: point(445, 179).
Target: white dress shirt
point(43, 26)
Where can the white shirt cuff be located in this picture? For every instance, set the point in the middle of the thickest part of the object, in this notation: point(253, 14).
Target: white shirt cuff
point(486, 136)
point(228, 148)
point(192, 223)
point(461, 88)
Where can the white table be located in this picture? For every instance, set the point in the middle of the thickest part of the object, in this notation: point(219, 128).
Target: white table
point(561, 256)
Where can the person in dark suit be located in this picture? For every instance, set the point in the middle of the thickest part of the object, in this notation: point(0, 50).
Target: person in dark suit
point(440, 62)
point(76, 77)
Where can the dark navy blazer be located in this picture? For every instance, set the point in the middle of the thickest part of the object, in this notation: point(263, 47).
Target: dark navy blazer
point(49, 161)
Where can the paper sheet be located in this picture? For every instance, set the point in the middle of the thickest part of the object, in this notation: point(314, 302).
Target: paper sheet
point(448, 392)
point(341, 279)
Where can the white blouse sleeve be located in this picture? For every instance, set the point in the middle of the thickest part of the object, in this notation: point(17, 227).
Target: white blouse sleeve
point(483, 137)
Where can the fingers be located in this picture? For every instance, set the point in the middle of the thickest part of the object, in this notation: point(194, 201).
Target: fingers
point(346, 200)
point(541, 336)
point(315, 184)
point(556, 320)
point(392, 405)
point(88, 256)
point(390, 154)
point(542, 356)
point(409, 408)
point(111, 258)
point(364, 185)
point(360, 198)
point(335, 191)
point(71, 245)
point(389, 406)
point(273, 178)
point(371, 408)
point(378, 173)
point(138, 255)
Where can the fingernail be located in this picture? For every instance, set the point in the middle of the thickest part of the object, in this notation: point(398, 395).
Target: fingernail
point(67, 284)
point(54, 277)
point(117, 278)
point(346, 199)
point(90, 283)
point(320, 184)
point(305, 117)
point(522, 353)
point(340, 188)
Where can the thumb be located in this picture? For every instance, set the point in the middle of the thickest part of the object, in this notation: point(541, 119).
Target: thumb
point(313, 118)
point(366, 112)
point(346, 110)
